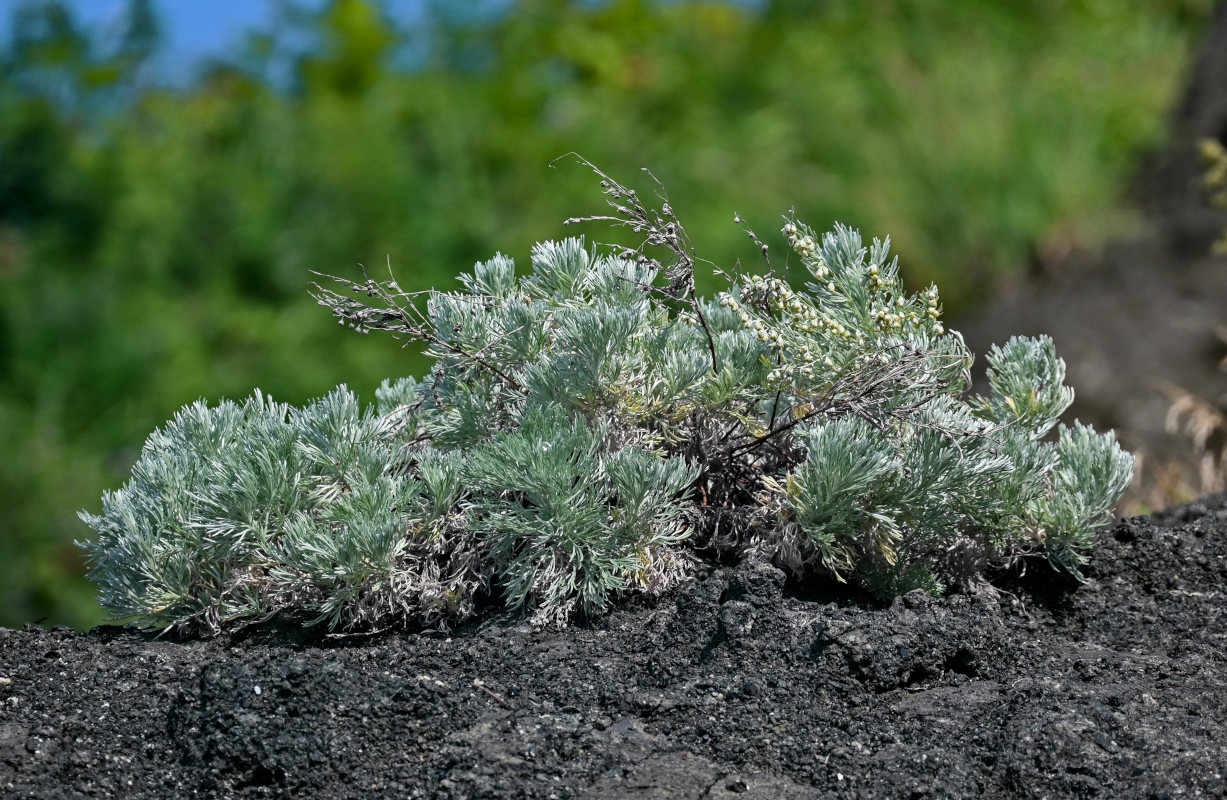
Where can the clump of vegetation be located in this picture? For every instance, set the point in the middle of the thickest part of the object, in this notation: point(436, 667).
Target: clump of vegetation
point(590, 429)
point(111, 178)
point(1214, 181)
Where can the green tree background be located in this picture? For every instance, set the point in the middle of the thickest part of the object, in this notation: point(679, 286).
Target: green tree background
point(155, 242)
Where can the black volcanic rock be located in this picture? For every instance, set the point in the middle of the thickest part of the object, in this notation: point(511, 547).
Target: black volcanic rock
point(738, 685)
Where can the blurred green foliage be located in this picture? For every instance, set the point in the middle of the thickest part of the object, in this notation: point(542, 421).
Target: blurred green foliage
point(155, 243)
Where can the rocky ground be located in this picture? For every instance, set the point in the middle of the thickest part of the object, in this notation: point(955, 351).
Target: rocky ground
point(737, 685)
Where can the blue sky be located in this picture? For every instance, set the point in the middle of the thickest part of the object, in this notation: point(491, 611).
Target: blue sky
point(199, 28)
point(196, 29)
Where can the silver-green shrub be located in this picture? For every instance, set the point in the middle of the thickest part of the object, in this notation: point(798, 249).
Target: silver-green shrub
point(590, 430)
point(238, 512)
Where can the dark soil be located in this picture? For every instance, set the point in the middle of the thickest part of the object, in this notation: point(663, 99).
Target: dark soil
point(737, 685)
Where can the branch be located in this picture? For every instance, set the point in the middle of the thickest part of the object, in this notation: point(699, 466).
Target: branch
point(659, 227)
point(396, 319)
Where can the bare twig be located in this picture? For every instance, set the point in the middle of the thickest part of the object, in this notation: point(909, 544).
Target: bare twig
point(660, 228)
point(479, 684)
point(395, 318)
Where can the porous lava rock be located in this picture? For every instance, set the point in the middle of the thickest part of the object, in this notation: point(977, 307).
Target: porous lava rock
point(737, 685)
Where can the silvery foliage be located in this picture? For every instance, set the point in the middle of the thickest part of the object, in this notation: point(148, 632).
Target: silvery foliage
point(240, 511)
point(905, 483)
point(588, 431)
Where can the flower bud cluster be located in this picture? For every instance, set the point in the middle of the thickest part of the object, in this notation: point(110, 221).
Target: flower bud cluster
point(774, 295)
point(934, 312)
point(838, 329)
point(894, 317)
point(807, 248)
point(792, 373)
point(769, 294)
point(875, 282)
point(754, 324)
point(801, 367)
point(900, 313)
